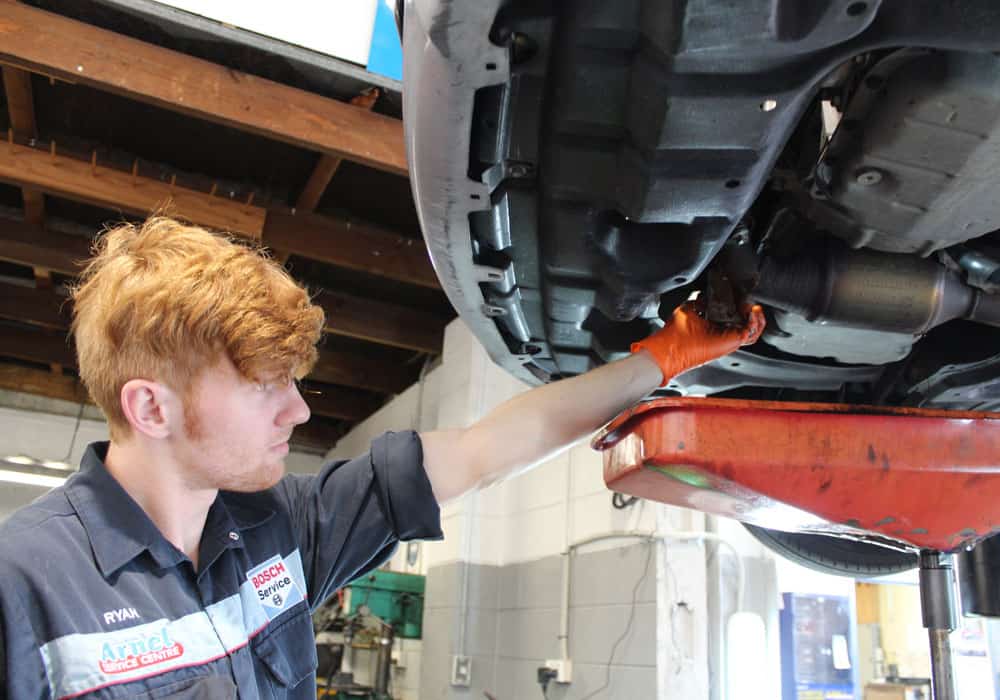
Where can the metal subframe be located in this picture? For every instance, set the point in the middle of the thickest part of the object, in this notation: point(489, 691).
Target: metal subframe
point(926, 480)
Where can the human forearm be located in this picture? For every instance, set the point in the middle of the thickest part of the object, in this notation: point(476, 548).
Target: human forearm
point(545, 421)
point(539, 423)
point(535, 425)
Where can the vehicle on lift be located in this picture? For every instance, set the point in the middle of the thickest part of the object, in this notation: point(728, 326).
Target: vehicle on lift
point(581, 168)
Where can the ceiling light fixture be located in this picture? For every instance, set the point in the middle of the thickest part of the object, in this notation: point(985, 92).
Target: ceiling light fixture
point(29, 472)
point(31, 479)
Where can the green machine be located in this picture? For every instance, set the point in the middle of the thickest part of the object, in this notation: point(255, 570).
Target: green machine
point(395, 598)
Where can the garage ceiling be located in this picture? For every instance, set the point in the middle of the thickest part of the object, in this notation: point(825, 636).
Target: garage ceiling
point(111, 112)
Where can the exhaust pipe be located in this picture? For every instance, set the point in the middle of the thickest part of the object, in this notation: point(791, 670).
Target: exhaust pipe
point(869, 289)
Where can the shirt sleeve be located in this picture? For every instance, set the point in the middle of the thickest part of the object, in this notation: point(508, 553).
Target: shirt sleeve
point(22, 673)
point(349, 518)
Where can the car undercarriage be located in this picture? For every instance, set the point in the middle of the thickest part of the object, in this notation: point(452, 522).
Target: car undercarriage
point(583, 168)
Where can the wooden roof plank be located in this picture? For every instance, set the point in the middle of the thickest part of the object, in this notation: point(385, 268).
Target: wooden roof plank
point(353, 369)
point(20, 101)
point(349, 243)
point(374, 321)
point(34, 246)
point(114, 189)
point(356, 245)
point(34, 345)
point(42, 383)
point(328, 165)
point(318, 433)
point(21, 109)
point(333, 367)
point(337, 402)
point(77, 52)
point(330, 401)
point(379, 322)
point(39, 307)
point(323, 400)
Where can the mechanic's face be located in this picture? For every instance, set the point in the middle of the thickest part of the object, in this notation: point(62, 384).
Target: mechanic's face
point(236, 432)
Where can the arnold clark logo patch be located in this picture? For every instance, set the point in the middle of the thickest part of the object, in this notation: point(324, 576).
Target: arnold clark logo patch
point(139, 651)
point(274, 586)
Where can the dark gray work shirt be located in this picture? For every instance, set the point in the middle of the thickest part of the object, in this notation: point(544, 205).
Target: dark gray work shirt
point(96, 603)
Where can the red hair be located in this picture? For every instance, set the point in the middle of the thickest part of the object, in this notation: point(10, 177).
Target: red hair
point(164, 300)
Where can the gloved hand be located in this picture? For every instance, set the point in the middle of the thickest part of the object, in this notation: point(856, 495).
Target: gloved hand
point(688, 340)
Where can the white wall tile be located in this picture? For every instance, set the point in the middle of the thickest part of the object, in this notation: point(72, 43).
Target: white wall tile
point(545, 485)
point(453, 409)
point(500, 386)
point(594, 515)
point(535, 534)
point(493, 499)
point(489, 537)
point(46, 436)
point(359, 440)
point(449, 549)
point(587, 475)
point(458, 342)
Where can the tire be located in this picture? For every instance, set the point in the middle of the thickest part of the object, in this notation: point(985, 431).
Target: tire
point(835, 555)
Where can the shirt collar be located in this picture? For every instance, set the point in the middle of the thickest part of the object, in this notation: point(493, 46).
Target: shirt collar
point(119, 529)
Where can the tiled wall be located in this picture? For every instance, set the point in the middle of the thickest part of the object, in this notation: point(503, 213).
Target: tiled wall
point(513, 626)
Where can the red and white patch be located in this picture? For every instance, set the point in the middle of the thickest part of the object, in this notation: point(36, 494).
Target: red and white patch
point(274, 586)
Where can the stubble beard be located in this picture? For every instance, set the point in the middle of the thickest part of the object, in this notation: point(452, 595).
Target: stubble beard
point(265, 475)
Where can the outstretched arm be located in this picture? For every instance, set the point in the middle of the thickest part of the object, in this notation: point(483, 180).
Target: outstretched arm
point(539, 423)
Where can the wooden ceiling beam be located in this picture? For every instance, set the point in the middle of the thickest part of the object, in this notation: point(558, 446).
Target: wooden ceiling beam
point(333, 367)
point(20, 101)
point(338, 402)
point(77, 52)
point(356, 245)
point(117, 190)
point(323, 400)
point(318, 434)
point(34, 246)
point(383, 323)
point(35, 345)
point(21, 109)
point(328, 165)
point(359, 318)
point(38, 307)
point(353, 369)
point(42, 383)
point(375, 321)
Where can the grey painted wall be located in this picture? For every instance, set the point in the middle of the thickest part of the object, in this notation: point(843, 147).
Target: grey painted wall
point(513, 626)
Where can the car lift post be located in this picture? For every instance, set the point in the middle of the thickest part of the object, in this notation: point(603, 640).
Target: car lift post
point(926, 479)
point(937, 607)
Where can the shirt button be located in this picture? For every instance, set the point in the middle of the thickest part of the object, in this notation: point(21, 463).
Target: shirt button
point(233, 536)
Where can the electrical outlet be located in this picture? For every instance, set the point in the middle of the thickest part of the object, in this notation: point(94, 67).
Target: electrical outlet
point(461, 671)
point(563, 669)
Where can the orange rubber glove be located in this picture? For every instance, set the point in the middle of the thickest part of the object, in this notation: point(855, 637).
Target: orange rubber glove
point(688, 340)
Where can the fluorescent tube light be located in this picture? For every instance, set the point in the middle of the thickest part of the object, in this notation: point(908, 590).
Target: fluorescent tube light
point(31, 479)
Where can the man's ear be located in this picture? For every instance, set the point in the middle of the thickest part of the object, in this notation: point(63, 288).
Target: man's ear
point(150, 407)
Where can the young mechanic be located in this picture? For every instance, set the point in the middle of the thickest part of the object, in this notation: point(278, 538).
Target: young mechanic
point(180, 561)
